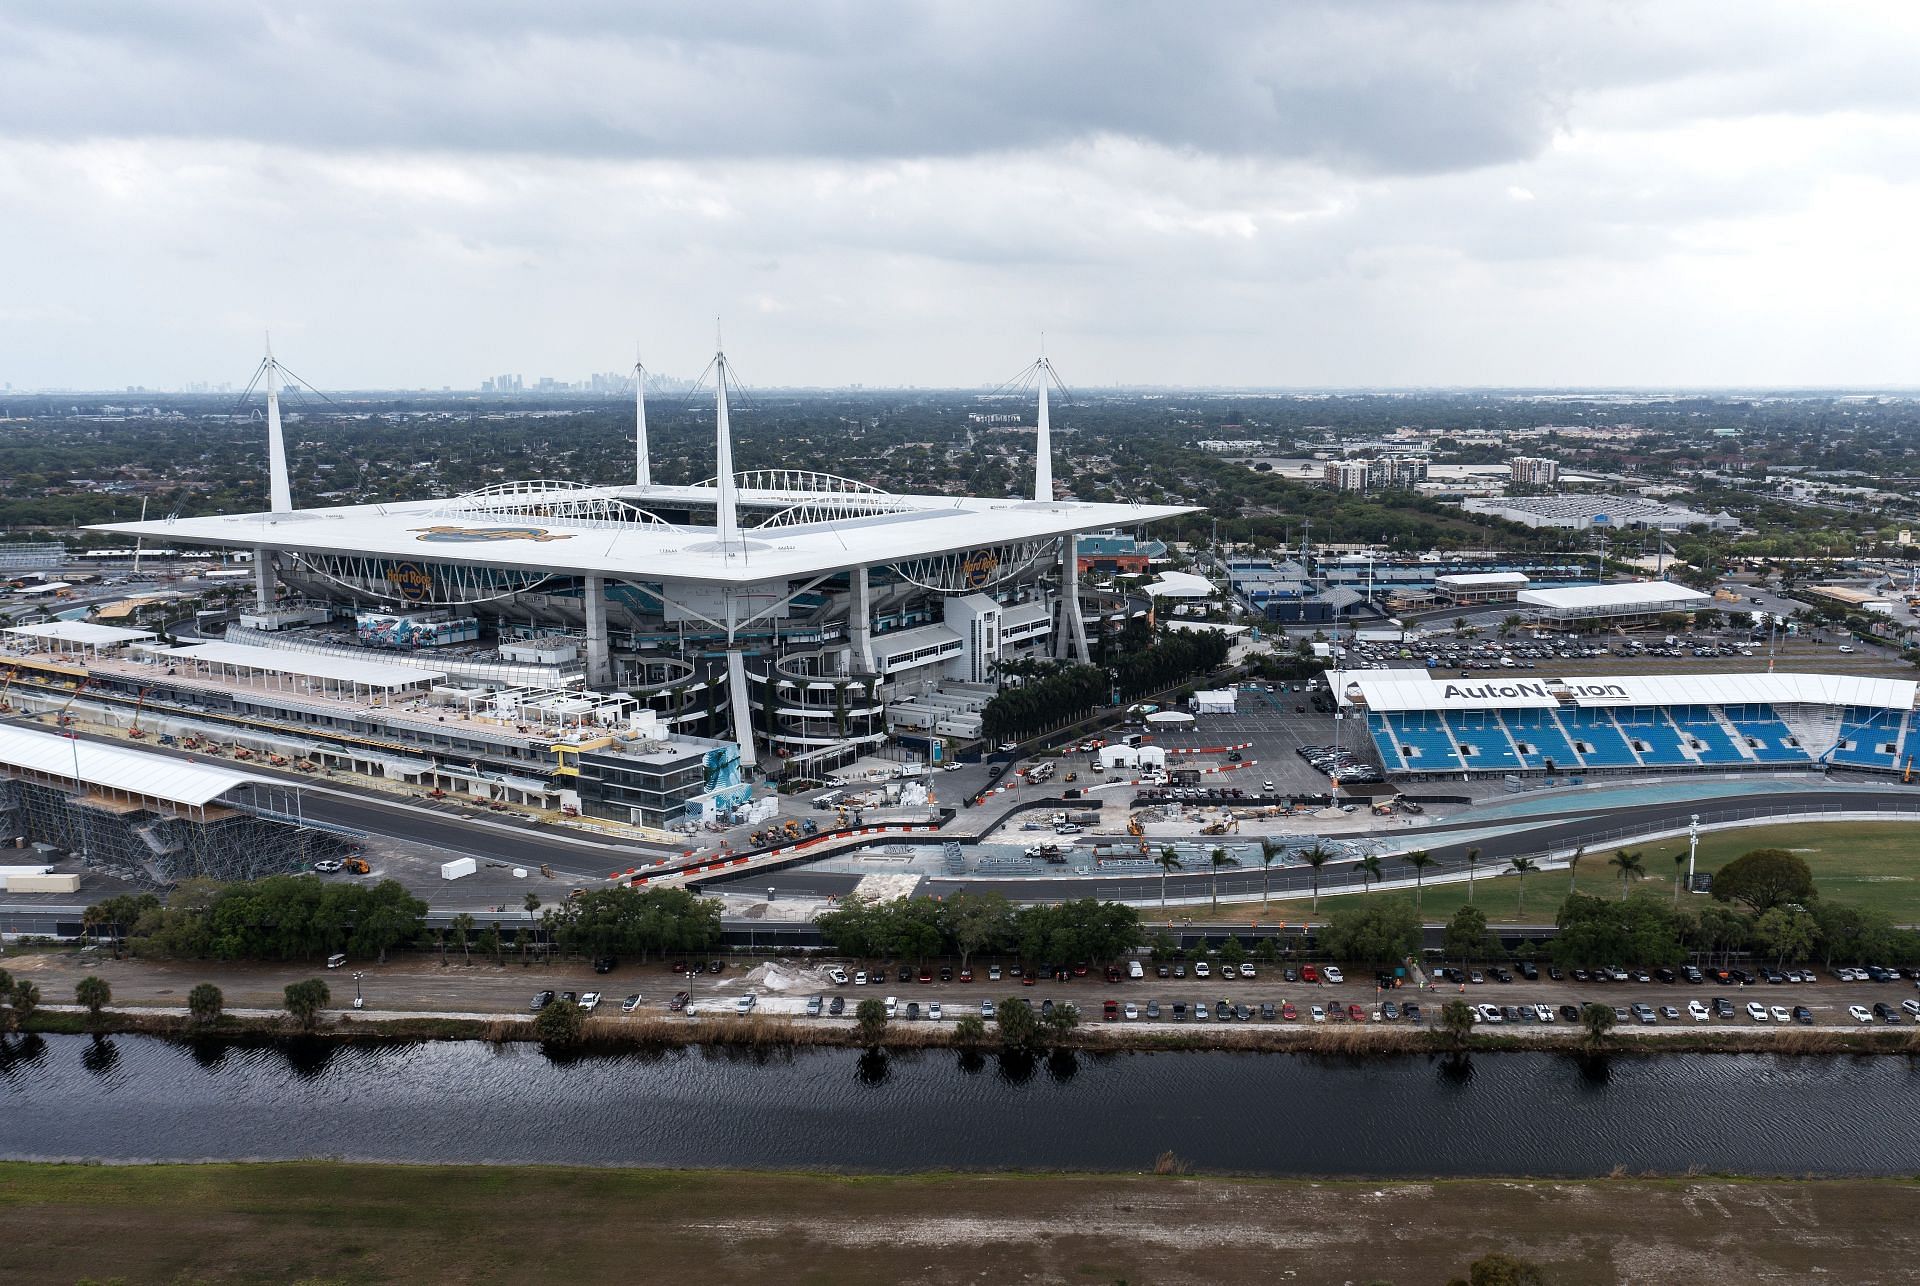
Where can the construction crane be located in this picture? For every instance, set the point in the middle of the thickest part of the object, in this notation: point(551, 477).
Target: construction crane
point(6, 706)
point(135, 730)
point(63, 719)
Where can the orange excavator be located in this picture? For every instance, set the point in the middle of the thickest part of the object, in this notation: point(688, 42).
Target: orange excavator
point(63, 719)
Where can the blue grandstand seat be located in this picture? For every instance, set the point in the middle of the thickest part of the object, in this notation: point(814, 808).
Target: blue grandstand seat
point(1424, 742)
point(1595, 729)
point(1655, 740)
point(1537, 737)
point(1869, 738)
point(1383, 742)
point(1483, 740)
point(1710, 742)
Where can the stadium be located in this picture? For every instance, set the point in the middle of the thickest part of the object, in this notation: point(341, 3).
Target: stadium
point(806, 619)
point(1422, 727)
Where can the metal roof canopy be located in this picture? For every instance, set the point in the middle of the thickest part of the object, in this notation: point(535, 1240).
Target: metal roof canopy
point(385, 675)
point(1390, 691)
point(1480, 580)
point(80, 632)
point(422, 531)
point(1626, 597)
point(141, 773)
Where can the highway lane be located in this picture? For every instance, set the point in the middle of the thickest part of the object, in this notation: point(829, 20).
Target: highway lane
point(1600, 829)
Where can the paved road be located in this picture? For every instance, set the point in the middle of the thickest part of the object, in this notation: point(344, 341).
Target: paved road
point(1557, 831)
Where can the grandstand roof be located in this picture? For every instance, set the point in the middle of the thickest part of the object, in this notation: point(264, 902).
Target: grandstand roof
point(1387, 691)
point(1598, 599)
point(121, 769)
point(1480, 580)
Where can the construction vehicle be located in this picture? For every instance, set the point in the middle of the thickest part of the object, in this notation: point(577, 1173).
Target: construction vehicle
point(1134, 827)
point(6, 706)
point(278, 761)
point(63, 719)
point(134, 729)
point(355, 866)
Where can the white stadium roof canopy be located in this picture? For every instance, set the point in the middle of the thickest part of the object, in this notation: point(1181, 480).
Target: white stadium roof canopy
point(1481, 580)
point(1386, 691)
point(118, 768)
point(428, 531)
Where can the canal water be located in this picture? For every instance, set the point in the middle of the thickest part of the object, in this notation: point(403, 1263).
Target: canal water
point(140, 1098)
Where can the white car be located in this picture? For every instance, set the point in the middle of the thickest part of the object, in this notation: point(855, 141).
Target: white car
point(1544, 1013)
point(1201, 970)
point(1132, 1011)
point(933, 1011)
point(1756, 1011)
point(1698, 1011)
point(838, 975)
point(860, 978)
point(893, 1005)
point(993, 973)
point(1912, 1006)
point(1319, 1014)
point(1781, 1014)
point(590, 1001)
point(1246, 971)
point(1332, 974)
point(630, 1004)
point(987, 1009)
point(1134, 971)
point(1860, 1014)
point(744, 1005)
point(1490, 1014)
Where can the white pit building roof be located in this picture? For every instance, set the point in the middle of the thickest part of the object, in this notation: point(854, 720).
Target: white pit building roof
point(79, 633)
point(119, 769)
point(385, 675)
point(1482, 580)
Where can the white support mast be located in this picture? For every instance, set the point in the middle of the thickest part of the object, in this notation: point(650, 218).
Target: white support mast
point(728, 517)
point(642, 464)
point(1043, 441)
point(279, 488)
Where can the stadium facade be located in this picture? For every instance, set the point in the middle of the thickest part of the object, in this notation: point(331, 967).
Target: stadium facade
point(803, 617)
point(1422, 726)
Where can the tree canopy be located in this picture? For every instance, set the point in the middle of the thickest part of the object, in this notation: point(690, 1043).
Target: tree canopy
point(1763, 879)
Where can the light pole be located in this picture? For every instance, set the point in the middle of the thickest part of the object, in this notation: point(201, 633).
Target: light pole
point(359, 1001)
point(1693, 846)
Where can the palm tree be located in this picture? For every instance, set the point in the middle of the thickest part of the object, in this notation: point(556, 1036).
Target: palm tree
point(91, 919)
point(1270, 851)
point(1316, 857)
point(1220, 859)
point(1629, 866)
point(1369, 868)
point(462, 926)
point(1419, 860)
point(1473, 859)
point(1573, 867)
point(1169, 861)
point(1522, 866)
point(532, 903)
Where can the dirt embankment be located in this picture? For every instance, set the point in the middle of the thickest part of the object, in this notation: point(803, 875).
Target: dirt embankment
point(331, 1222)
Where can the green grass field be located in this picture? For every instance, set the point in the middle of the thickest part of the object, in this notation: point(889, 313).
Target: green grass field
point(1866, 864)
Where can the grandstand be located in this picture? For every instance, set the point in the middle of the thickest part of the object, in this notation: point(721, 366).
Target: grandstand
point(1421, 726)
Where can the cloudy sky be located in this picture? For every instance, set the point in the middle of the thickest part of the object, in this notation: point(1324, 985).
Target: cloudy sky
point(1428, 192)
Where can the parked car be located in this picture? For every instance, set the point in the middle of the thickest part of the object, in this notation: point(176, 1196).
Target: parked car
point(541, 999)
point(630, 1004)
point(679, 1001)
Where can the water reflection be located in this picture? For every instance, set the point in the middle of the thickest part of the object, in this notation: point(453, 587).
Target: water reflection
point(136, 1097)
point(874, 1067)
point(100, 1056)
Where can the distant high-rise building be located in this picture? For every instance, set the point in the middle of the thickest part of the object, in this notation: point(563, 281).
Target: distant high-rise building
point(1348, 475)
point(1533, 471)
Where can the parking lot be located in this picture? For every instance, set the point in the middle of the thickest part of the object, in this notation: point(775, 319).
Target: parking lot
point(1274, 728)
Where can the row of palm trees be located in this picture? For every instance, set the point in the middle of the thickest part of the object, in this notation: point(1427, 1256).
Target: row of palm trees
point(1629, 865)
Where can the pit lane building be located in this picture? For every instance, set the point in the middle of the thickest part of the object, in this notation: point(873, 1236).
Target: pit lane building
point(798, 617)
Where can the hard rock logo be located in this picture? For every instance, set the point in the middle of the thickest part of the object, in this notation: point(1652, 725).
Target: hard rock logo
point(411, 582)
point(478, 535)
point(978, 567)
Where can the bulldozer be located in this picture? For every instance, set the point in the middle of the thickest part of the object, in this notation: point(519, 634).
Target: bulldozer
point(355, 866)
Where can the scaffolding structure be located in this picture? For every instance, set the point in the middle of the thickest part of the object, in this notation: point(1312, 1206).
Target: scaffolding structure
point(158, 848)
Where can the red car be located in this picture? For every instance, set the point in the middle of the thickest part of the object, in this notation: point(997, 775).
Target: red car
point(1080, 970)
point(1356, 1014)
point(1113, 973)
point(1111, 1010)
point(926, 975)
point(679, 966)
point(1029, 980)
point(1335, 1014)
point(966, 975)
point(1309, 974)
point(679, 1001)
point(1288, 1012)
